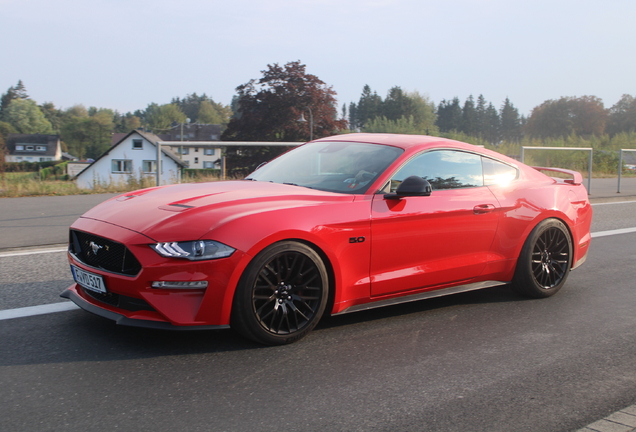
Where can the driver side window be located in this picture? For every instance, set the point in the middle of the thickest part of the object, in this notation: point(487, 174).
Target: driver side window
point(444, 169)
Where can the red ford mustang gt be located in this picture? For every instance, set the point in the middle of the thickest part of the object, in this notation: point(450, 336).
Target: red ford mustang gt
point(338, 225)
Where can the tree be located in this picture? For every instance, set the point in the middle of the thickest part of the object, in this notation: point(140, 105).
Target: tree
point(491, 128)
point(403, 125)
point(87, 132)
point(20, 90)
point(76, 135)
point(353, 116)
point(449, 115)
point(481, 115)
point(53, 115)
point(510, 122)
point(208, 114)
point(423, 112)
point(585, 116)
point(589, 115)
point(16, 92)
point(78, 110)
point(5, 129)
point(160, 118)
point(26, 117)
point(268, 110)
point(202, 109)
point(369, 107)
point(125, 123)
point(396, 104)
point(622, 116)
point(469, 117)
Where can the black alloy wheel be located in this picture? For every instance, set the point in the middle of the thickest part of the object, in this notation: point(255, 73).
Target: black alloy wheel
point(545, 260)
point(282, 294)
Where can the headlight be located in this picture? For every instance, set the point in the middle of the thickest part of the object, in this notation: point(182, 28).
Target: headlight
point(193, 250)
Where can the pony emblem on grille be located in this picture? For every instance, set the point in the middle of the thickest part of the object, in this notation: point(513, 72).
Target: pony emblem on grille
point(95, 247)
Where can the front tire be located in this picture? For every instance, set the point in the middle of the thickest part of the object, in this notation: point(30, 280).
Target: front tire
point(281, 295)
point(545, 260)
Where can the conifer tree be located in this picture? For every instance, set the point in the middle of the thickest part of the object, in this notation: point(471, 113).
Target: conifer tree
point(510, 122)
point(469, 117)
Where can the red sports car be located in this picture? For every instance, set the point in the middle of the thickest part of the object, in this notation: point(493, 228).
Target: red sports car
point(337, 225)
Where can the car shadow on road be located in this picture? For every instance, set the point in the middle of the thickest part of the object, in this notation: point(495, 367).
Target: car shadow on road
point(78, 336)
point(488, 295)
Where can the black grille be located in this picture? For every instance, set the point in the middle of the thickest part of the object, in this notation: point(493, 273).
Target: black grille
point(120, 301)
point(102, 253)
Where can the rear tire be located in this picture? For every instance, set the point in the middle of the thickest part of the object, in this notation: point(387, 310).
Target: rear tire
point(545, 260)
point(281, 295)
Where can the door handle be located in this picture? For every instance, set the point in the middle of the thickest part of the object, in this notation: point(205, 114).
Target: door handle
point(483, 208)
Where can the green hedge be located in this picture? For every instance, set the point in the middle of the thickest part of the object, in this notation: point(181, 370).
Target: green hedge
point(28, 166)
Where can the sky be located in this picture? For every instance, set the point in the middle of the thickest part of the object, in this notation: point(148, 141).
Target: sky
point(126, 54)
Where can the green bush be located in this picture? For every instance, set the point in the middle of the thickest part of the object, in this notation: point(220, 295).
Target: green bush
point(55, 172)
point(196, 174)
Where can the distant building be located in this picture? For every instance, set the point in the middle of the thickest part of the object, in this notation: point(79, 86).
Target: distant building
point(195, 156)
point(33, 148)
point(134, 156)
point(194, 132)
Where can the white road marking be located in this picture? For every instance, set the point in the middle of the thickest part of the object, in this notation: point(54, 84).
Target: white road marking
point(37, 310)
point(67, 306)
point(613, 232)
point(612, 203)
point(33, 252)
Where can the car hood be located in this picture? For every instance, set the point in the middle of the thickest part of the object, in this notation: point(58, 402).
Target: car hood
point(189, 211)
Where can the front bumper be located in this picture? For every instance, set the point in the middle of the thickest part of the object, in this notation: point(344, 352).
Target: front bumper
point(131, 299)
point(72, 294)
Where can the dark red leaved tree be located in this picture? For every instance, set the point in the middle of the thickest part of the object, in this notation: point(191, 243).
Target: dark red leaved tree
point(268, 109)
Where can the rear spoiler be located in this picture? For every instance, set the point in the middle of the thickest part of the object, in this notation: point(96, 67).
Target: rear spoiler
point(576, 179)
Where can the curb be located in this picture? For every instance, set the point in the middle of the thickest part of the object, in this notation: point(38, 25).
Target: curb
point(621, 421)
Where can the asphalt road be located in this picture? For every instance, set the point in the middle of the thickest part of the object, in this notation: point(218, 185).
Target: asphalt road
point(480, 361)
point(36, 221)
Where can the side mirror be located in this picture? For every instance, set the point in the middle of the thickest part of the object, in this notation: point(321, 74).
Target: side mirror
point(411, 186)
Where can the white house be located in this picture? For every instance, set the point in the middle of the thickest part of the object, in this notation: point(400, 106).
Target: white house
point(134, 156)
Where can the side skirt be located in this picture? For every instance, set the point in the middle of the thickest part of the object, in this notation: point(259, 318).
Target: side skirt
point(421, 296)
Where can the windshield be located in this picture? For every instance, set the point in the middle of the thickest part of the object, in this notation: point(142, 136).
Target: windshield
point(343, 167)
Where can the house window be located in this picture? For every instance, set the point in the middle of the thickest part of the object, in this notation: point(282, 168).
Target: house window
point(185, 150)
point(45, 159)
point(137, 144)
point(209, 152)
point(149, 166)
point(214, 137)
point(19, 148)
point(41, 148)
point(196, 160)
point(196, 149)
point(30, 148)
point(121, 165)
point(208, 164)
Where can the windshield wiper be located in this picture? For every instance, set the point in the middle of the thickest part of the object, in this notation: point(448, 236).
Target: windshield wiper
point(294, 184)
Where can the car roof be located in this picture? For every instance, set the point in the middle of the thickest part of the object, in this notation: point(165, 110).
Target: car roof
point(398, 140)
point(416, 143)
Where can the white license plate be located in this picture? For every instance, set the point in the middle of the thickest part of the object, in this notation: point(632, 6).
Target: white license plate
point(88, 280)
